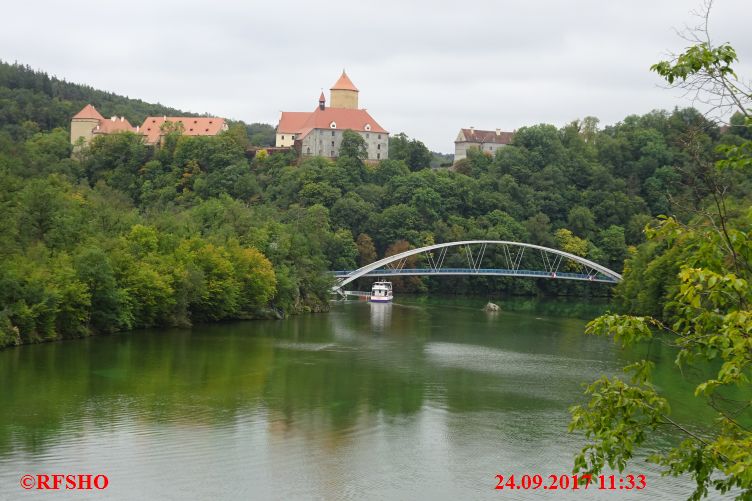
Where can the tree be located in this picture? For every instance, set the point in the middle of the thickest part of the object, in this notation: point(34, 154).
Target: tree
point(108, 314)
point(255, 275)
point(706, 316)
point(538, 228)
point(366, 250)
point(352, 212)
point(428, 203)
point(413, 152)
point(341, 250)
point(261, 134)
point(353, 146)
point(397, 222)
point(581, 221)
point(239, 133)
point(611, 240)
point(566, 241)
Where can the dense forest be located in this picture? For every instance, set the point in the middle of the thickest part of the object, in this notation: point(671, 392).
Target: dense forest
point(121, 235)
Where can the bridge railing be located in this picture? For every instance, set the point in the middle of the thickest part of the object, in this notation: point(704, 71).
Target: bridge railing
point(480, 271)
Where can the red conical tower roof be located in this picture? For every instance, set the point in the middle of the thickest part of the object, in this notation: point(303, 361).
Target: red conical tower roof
point(89, 112)
point(322, 99)
point(344, 83)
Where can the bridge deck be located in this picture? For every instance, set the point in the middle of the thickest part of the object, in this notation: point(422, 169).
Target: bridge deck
point(383, 272)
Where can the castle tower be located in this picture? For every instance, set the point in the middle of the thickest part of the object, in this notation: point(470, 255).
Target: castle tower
point(344, 94)
point(322, 101)
point(84, 122)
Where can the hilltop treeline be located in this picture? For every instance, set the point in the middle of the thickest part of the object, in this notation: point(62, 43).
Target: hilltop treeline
point(121, 235)
point(31, 101)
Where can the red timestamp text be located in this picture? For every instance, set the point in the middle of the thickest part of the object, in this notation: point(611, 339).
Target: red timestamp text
point(571, 482)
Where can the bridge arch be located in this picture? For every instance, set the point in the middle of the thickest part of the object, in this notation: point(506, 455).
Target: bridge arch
point(557, 256)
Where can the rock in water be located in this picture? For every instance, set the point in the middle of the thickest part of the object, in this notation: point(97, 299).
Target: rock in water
point(491, 307)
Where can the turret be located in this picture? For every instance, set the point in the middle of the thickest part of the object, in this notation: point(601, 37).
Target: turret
point(322, 101)
point(84, 122)
point(344, 94)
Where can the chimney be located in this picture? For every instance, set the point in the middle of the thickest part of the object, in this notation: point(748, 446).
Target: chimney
point(114, 119)
point(122, 119)
point(137, 128)
point(498, 132)
point(472, 129)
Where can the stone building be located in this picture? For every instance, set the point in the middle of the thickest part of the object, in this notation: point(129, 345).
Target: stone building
point(88, 122)
point(484, 140)
point(319, 132)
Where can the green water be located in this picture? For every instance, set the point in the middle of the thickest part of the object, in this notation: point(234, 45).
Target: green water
point(422, 399)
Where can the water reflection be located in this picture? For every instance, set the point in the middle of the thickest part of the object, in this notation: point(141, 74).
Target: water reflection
point(381, 316)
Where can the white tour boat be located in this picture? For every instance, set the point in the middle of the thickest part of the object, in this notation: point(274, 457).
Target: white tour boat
point(381, 292)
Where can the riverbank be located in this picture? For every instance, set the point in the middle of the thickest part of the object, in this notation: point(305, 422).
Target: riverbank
point(10, 335)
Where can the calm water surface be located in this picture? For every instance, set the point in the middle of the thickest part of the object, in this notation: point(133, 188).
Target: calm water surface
point(422, 399)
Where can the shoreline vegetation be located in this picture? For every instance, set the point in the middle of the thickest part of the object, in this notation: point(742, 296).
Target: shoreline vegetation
point(118, 235)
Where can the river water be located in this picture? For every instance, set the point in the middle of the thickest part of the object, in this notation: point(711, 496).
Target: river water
point(421, 399)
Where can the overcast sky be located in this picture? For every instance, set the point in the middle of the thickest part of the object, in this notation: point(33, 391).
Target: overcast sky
point(427, 68)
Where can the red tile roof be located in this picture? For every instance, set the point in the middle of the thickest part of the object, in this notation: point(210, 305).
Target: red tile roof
point(89, 112)
point(114, 124)
point(343, 118)
point(344, 83)
point(487, 136)
point(192, 126)
point(292, 121)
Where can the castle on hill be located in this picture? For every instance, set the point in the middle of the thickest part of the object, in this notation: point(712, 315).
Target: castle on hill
point(487, 141)
point(89, 123)
point(319, 132)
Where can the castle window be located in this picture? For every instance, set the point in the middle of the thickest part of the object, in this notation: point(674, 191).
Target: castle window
point(367, 135)
point(333, 125)
point(308, 150)
point(378, 146)
point(379, 136)
point(283, 138)
point(332, 144)
point(378, 156)
point(332, 133)
point(367, 127)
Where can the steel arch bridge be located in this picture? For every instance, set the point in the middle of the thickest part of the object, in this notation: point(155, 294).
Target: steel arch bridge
point(513, 253)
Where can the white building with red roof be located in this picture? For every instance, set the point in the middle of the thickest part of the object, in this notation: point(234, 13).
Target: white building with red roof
point(485, 140)
point(319, 132)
